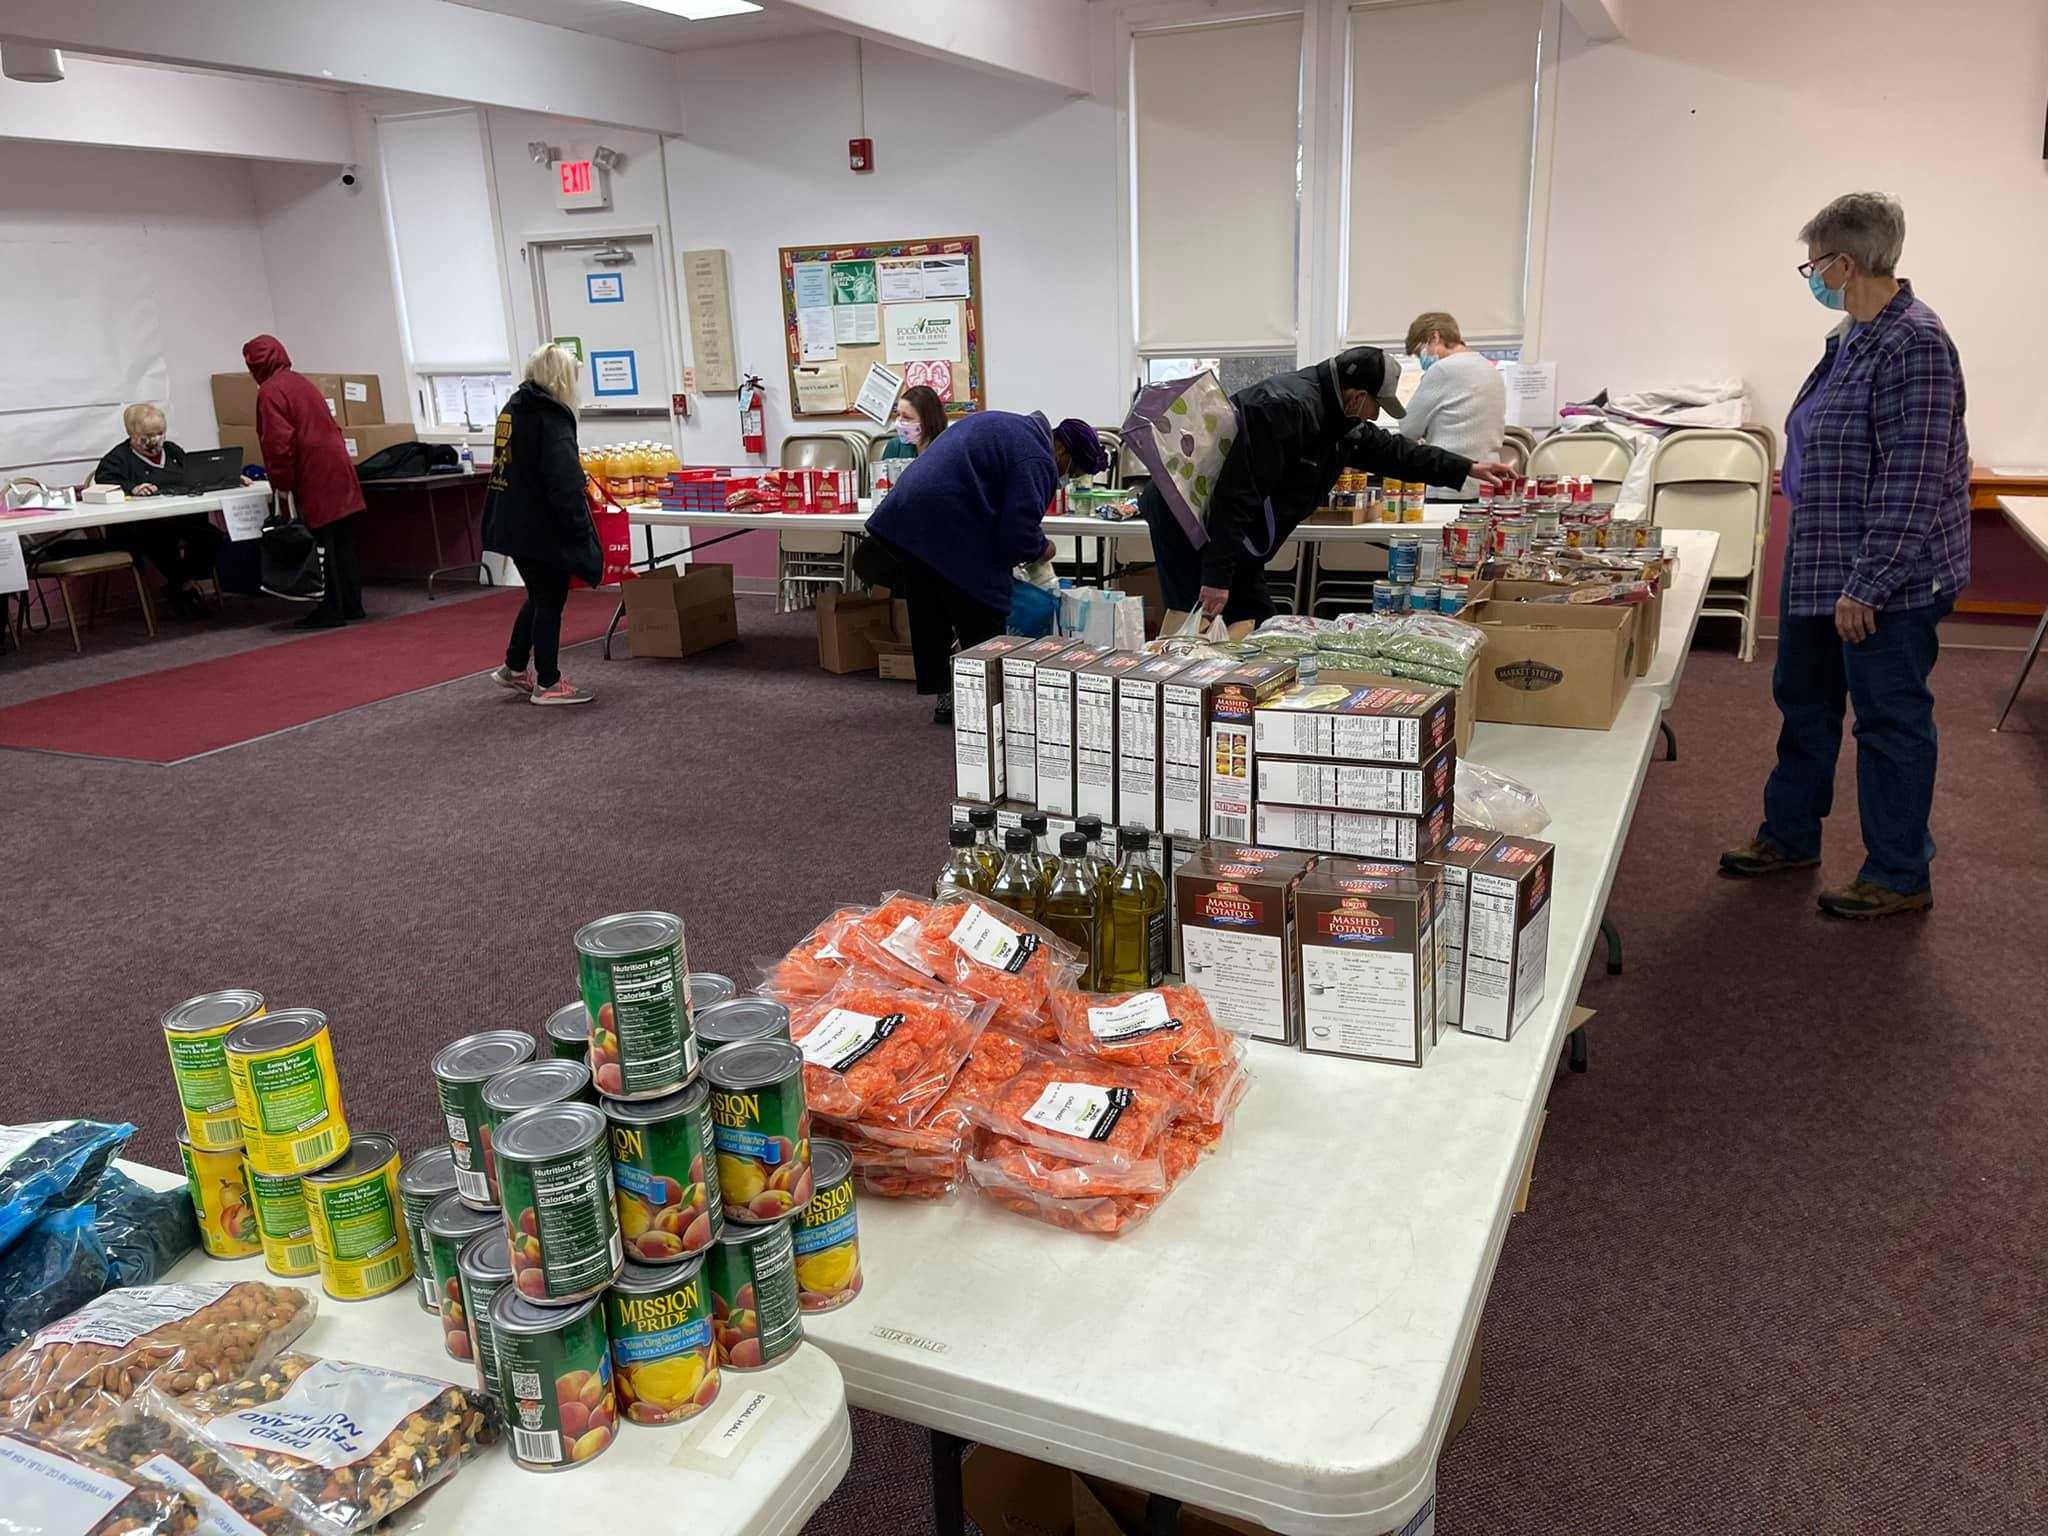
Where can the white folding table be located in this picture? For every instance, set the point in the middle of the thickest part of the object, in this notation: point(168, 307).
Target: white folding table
point(2029, 514)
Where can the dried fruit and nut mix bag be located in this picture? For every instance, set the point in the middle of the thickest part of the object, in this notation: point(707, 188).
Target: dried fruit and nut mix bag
point(341, 1446)
point(988, 951)
point(165, 1453)
point(1078, 1107)
point(176, 1338)
point(815, 964)
point(1163, 1027)
point(881, 1052)
point(47, 1490)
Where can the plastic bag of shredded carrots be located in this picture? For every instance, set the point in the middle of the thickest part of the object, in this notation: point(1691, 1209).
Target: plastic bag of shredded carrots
point(887, 1185)
point(814, 965)
point(1163, 1027)
point(885, 939)
point(1065, 1179)
point(1077, 1107)
point(988, 951)
point(942, 1136)
point(881, 1052)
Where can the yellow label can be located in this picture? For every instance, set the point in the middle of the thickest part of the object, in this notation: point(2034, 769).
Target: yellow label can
point(220, 1200)
point(195, 1032)
point(359, 1231)
point(286, 1091)
point(283, 1226)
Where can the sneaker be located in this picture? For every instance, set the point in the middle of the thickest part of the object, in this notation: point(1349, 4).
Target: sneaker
point(1757, 857)
point(518, 682)
point(1860, 900)
point(943, 714)
point(562, 692)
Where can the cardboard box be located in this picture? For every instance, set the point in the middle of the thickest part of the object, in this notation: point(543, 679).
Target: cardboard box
point(234, 400)
point(1461, 851)
point(894, 661)
point(1183, 748)
point(1095, 733)
point(1232, 703)
point(361, 442)
point(329, 385)
point(1053, 693)
point(1554, 663)
point(848, 627)
point(1011, 1495)
point(362, 400)
point(1579, 1016)
point(1430, 875)
point(1649, 614)
point(1507, 935)
point(1020, 712)
point(245, 439)
point(1356, 834)
point(978, 719)
point(1367, 958)
point(1358, 786)
point(1141, 719)
point(673, 612)
point(1392, 723)
point(1235, 912)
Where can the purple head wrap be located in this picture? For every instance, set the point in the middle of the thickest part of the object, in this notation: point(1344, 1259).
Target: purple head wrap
point(1083, 446)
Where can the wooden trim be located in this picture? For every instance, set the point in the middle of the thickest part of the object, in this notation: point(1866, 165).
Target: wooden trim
point(2020, 610)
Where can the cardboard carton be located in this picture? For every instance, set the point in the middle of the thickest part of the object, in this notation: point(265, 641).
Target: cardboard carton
point(1053, 694)
point(673, 612)
point(1461, 851)
point(1507, 935)
point(329, 385)
point(361, 442)
point(1020, 712)
point(362, 400)
point(1183, 748)
point(1467, 711)
point(895, 662)
point(1356, 834)
point(1232, 703)
point(1234, 907)
point(1554, 663)
point(1358, 786)
point(1095, 734)
point(1141, 720)
point(246, 440)
point(1367, 958)
point(978, 719)
point(847, 629)
point(234, 400)
point(1649, 614)
point(1394, 723)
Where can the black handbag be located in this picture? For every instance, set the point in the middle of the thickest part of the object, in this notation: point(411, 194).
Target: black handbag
point(291, 564)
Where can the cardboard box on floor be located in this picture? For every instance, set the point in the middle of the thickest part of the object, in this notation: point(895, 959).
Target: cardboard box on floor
point(1554, 663)
point(673, 612)
point(847, 629)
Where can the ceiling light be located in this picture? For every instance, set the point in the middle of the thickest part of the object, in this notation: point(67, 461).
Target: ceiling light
point(30, 65)
point(698, 10)
point(543, 154)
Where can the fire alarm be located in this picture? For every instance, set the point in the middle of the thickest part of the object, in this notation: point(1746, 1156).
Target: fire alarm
point(860, 154)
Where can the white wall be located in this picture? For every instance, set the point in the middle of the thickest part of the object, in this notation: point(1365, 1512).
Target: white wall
point(1688, 156)
point(100, 102)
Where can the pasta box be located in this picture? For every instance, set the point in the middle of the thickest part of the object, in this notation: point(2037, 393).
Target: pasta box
point(1235, 910)
point(1460, 854)
point(978, 719)
point(1507, 935)
point(1053, 694)
point(1365, 949)
point(1183, 739)
point(1020, 712)
point(1095, 733)
point(1140, 733)
point(1233, 702)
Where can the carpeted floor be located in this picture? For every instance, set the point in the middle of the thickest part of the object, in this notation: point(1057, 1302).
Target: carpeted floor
point(1782, 1266)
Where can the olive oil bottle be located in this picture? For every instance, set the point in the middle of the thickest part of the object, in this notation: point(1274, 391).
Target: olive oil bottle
point(987, 852)
point(1034, 823)
point(1016, 883)
point(1134, 939)
point(962, 874)
point(1100, 867)
point(1073, 905)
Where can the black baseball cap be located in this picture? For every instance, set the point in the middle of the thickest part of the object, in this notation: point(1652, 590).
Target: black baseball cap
point(1370, 369)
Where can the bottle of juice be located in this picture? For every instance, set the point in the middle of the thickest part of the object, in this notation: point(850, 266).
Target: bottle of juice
point(1134, 941)
point(987, 853)
point(1073, 906)
point(962, 874)
point(1034, 823)
point(1016, 883)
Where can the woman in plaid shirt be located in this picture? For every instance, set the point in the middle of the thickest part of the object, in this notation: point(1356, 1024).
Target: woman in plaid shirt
point(1877, 466)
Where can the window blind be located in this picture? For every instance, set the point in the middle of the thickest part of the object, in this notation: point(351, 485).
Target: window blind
point(1443, 108)
point(1217, 119)
point(437, 193)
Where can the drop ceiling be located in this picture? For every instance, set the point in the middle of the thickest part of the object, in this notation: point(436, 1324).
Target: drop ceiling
point(650, 29)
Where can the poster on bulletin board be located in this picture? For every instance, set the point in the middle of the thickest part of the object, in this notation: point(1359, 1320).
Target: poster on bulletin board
point(909, 307)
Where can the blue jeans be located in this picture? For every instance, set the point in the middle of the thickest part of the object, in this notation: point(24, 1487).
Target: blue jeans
point(1886, 679)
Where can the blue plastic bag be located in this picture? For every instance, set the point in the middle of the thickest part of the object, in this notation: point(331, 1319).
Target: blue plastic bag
point(51, 1270)
point(1032, 609)
point(52, 1164)
point(145, 1231)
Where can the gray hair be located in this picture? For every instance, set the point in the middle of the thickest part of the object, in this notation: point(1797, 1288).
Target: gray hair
point(554, 369)
point(1868, 226)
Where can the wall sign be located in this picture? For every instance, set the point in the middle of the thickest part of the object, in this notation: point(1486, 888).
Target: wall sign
point(614, 373)
point(606, 287)
point(582, 184)
point(571, 344)
point(709, 296)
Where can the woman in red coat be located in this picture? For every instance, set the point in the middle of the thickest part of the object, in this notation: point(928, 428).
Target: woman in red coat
point(303, 453)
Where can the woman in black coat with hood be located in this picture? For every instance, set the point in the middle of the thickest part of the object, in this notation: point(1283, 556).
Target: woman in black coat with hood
point(537, 515)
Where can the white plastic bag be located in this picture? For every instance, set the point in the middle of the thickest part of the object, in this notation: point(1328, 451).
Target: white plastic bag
point(1490, 799)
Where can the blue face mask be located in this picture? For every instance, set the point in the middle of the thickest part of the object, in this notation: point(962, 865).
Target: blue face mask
point(1426, 360)
point(1830, 298)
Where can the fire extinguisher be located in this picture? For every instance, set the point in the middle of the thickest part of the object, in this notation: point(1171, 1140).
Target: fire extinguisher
point(753, 432)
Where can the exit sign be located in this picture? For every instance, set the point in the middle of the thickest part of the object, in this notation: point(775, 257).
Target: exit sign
point(582, 184)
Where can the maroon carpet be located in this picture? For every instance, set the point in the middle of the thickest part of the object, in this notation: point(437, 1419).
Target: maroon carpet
point(1782, 1265)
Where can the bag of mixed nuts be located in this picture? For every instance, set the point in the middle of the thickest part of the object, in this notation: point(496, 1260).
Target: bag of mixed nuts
point(48, 1490)
point(163, 1453)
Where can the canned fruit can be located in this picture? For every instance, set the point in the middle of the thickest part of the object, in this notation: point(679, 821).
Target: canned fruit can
point(219, 1182)
point(665, 1169)
point(452, 1226)
point(555, 1171)
point(762, 1130)
point(1423, 597)
point(282, 1224)
point(707, 989)
point(635, 985)
point(664, 1359)
point(827, 1236)
point(196, 1033)
point(1451, 596)
point(741, 1020)
point(484, 1268)
point(1404, 557)
point(461, 1069)
point(1383, 597)
point(425, 1178)
point(517, 1089)
point(358, 1221)
point(754, 1310)
point(555, 1380)
point(286, 1091)
point(568, 1032)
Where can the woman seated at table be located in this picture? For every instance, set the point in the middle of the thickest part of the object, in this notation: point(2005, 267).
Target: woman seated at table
point(919, 418)
point(182, 548)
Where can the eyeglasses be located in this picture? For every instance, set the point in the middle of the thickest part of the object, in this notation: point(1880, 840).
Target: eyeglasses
point(1808, 268)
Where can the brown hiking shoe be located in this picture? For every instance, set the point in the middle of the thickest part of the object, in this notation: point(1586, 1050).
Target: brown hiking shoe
point(1757, 857)
point(1859, 900)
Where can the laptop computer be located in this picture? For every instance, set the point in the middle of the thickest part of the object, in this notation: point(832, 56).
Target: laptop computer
point(210, 469)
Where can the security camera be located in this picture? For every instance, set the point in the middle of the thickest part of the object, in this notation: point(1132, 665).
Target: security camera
point(348, 177)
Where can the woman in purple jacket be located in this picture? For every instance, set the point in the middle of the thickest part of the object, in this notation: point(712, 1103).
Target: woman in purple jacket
point(964, 515)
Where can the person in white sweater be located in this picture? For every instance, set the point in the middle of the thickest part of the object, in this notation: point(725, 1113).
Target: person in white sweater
point(1461, 405)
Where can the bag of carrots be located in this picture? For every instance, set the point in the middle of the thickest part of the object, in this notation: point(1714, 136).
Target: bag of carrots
point(884, 939)
point(814, 966)
point(1079, 1108)
point(1163, 1027)
point(883, 1053)
point(1014, 1176)
point(989, 951)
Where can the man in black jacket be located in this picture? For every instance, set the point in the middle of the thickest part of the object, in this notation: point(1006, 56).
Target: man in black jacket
point(146, 463)
point(1296, 433)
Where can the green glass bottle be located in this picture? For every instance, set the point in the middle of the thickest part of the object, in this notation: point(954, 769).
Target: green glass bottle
point(962, 874)
point(1073, 904)
point(1034, 823)
point(987, 851)
point(1135, 933)
point(1100, 866)
point(1016, 883)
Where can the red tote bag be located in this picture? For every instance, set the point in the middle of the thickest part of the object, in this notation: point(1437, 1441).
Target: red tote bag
point(614, 535)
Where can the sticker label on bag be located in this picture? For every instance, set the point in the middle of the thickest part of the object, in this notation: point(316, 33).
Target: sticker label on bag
point(216, 1516)
point(902, 943)
point(52, 1494)
point(843, 1037)
point(119, 1318)
point(983, 937)
point(1145, 1014)
point(333, 1416)
point(1084, 1110)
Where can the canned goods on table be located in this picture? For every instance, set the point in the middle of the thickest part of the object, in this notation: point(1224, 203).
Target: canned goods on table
point(286, 1091)
point(484, 1268)
point(742, 1019)
point(452, 1226)
point(219, 1182)
point(1423, 597)
point(634, 971)
point(555, 1380)
point(196, 1033)
point(666, 1170)
point(1387, 597)
point(555, 1172)
point(827, 1236)
point(762, 1129)
point(1649, 536)
point(568, 1031)
point(708, 988)
point(358, 1221)
point(755, 1312)
point(425, 1178)
point(1413, 494)
point(1468, 540)
point(1512, 536)
point(516, 1089)
point(282, 1223)
point(461, 1068)
point(1404, 557)
point(664, 1359)
point(1451, 597)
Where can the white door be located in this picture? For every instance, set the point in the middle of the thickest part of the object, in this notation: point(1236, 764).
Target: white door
point(607, 299)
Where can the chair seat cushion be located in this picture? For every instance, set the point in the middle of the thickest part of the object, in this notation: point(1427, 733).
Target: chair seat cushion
point(85, 565)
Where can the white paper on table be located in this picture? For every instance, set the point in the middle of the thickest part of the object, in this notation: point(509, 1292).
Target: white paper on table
point(1532, 395)
point(917, 331)
point(878, 392)
point(815, 336)
point(857, 325)
point(813, 285)
point(899, 280)
point(244, 512)
point(13, 564)
point(947, 277)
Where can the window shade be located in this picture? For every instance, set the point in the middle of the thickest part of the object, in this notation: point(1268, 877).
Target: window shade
point(1217, 115)
point(1443, 105)
point(436, 188)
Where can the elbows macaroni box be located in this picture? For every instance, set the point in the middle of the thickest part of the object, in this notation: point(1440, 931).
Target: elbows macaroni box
point(1389, 724)
point(1366, 949)
point(1020, 713)
point(1456, 860)
point(1235, 908)
point(1095, 733)
point(978, 769)
point(1053, 689)
point(1141, 719)
point(1232, 705)
point(1183, 742)
point(1507, 935)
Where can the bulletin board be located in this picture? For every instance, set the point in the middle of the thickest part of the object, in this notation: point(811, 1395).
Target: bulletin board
point(914, 306)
